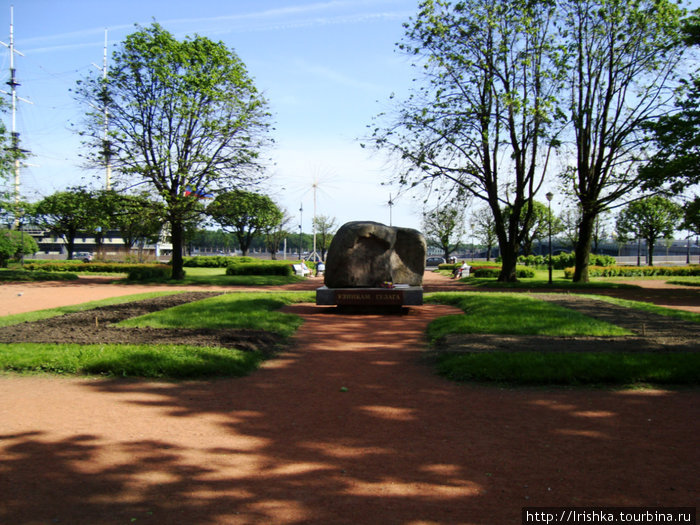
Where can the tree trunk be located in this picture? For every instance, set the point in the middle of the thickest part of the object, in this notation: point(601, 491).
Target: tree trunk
point(70, 244)
point(583, 247)
point(177, 237)
point(509, 258)
point(650, 251)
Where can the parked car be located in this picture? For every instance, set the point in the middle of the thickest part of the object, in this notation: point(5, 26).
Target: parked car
point(83, 256)
point(434, 261)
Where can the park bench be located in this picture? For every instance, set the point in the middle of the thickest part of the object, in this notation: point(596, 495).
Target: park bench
point(301, 270)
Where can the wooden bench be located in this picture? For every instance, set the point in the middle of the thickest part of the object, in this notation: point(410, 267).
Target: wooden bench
point(301, 270)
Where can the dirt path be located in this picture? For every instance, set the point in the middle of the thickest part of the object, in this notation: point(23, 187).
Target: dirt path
point(348, 427)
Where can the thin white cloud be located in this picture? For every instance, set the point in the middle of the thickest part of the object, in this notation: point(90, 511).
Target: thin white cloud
point(290, 17)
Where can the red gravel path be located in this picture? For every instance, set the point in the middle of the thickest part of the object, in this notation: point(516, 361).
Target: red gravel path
point(348, 427)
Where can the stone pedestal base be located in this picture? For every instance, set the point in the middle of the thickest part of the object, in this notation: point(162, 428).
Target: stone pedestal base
point(398, 296)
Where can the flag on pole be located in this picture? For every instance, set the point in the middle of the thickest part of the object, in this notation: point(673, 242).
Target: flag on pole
point(198, 193)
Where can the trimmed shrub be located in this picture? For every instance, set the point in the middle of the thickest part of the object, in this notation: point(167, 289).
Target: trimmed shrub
point(637, 271)
point(212, 261)
point(492, 272)
point(25, 275)
point(79, 266)
point(532, 260)
point(566, 260)
point(150, 272)
point(260, 268)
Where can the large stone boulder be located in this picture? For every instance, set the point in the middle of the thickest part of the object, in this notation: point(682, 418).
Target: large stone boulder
point(367, 254)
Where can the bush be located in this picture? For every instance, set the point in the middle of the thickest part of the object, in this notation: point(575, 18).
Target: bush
point(637, 271)
point(566, 260)
point(150, 272)
point(24, 275)
point(260, 268)
point(13, 244)
point(79, 266)
point(492, 272)
point(532, 260)
point(212, 261)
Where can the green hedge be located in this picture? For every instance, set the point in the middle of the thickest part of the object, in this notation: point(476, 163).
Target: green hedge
point(150, 272)
point(494, 272)
point(637, 271)
point(565, 260)
point(212, 261)
point(42, 263)
point(37, 275)
point(260, 268)
point(96, 267)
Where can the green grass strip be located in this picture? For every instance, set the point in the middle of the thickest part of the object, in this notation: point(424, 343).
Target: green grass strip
point(148, 361)
point(547, 368)
point(651, 308)
point(37, 315)
point(684, 282)
point(254, 311)
point(517, 314)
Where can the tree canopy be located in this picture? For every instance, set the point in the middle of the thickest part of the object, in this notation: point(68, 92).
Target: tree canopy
point(185, 118)
point(623, 57)
point(650, 219)
point(245, 214)
point(69, 213)
point(444, 227)
point(485, 119)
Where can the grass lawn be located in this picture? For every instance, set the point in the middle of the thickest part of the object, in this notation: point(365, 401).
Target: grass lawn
point(148, 361)
point(503, 313)
point(252, 311)
point(507, 314)
point(248, 311)
point(595, 368)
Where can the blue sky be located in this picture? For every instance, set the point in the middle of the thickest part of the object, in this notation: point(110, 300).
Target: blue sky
point(326, 67)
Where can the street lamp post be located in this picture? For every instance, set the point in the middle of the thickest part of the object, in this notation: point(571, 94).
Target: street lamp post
point(301, 221)
point(550, 196)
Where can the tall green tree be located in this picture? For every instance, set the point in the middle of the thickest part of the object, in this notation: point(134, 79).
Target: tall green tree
point(67, 214)
point(484, 228)
point(444, 227)
point(325, 229)
point(691, 216)
point(14, 245)
point(623, 56)
point(650, 219)
point(184, 116)
point(275, 234)
point(245, 214)
point(536, 223)
point(485, 121)
point(138, 217)
point(675, 164)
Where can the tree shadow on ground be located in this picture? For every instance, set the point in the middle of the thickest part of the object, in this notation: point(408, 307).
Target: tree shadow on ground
point(350, 426)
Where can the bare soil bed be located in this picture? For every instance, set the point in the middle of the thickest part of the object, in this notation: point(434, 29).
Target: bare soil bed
point(98, 325)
